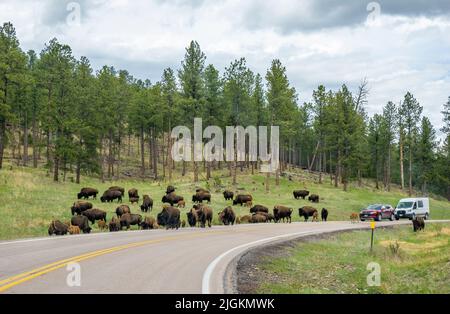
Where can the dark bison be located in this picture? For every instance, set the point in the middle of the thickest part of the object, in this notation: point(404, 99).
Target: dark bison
point(82, 222)
point(118, 188)
point(133, 193)
point(111, 195)
point(170, 189)
point(228, 195)
point(259, 209)
point(301, 194)
point(128, 220)
point(205, 215)
point(259, 218)
point(418, 224)
point(122, 210)
point(80, 206)
point(114, 225)
point(172, 199)
point(227, 216)
point(147, 204)
point(314, 198)
point(202, 190)
point(148, 223)
point(324, 214)
point(282, 212)
point(134, 200)
point(242, 199)
point(169, 217)
point(192, 217)
point(86, 193)
point(58, 228)
point(94, 214)
point(201, 196)
point(307, 212)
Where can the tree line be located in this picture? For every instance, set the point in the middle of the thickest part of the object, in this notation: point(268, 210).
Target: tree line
point(56, 110)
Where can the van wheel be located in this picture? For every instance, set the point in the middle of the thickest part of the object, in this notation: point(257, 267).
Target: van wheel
point(392, 218)
point(397, 218)
point(427, 216)
point(379, 218)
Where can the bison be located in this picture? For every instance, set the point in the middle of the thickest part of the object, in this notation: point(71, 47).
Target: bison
point(201, 196)
point(307, 212)
point(148, 223)
point(227, 216)
point(192, 217)
point(122, 209)
point(170, 189)
point(117, 188)
point(134, 200)
point(301, 194)
point(80, 206)
point(259, 209)
point(245, 219)
point(242, 199)
point(147, 204)
point(114, 225)
point(110, 195)
point(172, 199)
point(133, 193)
point(74, 230)
point(169, 217)
point(228, 195)
point(82, 222)
point(418, 224)
point(205, 215)
point(314, 198)
point(128, 220)
point(86, 193)
point(57, 228)
point(282, 212)
point(258, 218)
point(102, 225)
point(94, 214)
point(324, 214)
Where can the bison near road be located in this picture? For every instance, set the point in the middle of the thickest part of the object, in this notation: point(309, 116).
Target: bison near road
point(324, 214)
point(205, 215)
point(418, 224)
point(192, 217)
point(259, 209)
point(301, 194)
point(122, 210)
point(282, 212)
point(147, 204)
point(57, 228)
point(258, 218)
point(111, 195)
point(114, 225)
point(228, 195)
point(128, 220)
point(307, 212)
point(80, 206)
point(86, 193)
point(227, 216)
point(148, 223)
point(242, 199)
point(94, 214)
point(169, 217)
point(82, 222)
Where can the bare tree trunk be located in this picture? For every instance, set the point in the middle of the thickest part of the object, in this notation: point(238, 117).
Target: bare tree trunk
point(2, 141)
point(267, 182)
point(410, 172)
point(142, 149)
point(35, 140)
point(402, 174)
point(25, 141)
point(389, 170)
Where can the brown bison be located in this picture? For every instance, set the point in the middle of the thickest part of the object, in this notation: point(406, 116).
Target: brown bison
point(314, 198)
point(227, 216)
point(117, 188)
point(301, 194)
point(80, 206)
point(86, 193)
point(128, 220)
point(134, 200)
point(202, 190)
point(111, 195)
point(170, 189)
point(307, 212)
point(282, 212)
point(114, 225)
point(58, 228)
point(242, 199)
point(228, 195)
point(192, 217)
point(172, 199)
point(201, 196)
point(169, 217)
point(418, 224)
point(258, 218)
point(94, 214)
point(147, 204)
point(102, 225)
point(122, 209)
point(205, 215)
point(82, 222)
point(259, 209)
point(133, 193)
point(148, 223)
point(324, 214)
point(181, 204)
point(245, 219)
point(74, 230)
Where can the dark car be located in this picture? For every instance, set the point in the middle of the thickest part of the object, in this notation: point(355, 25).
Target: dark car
point(377, 212)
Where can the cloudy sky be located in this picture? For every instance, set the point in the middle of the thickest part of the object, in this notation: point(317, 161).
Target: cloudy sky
point(398, 45)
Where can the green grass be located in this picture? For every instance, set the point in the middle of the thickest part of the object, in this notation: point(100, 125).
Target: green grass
point(30, 199)
point(338, 264)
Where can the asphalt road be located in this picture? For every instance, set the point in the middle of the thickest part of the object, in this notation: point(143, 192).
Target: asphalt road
point(186, 261)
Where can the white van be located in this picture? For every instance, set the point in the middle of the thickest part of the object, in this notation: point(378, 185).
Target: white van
point(412, 208)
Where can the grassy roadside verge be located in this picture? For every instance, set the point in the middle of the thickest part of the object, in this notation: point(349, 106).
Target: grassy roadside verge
point(410, 263)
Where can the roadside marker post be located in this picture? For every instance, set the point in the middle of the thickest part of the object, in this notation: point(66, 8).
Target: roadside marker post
point(372, 226)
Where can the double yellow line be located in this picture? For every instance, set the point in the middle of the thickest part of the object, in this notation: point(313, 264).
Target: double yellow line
point(10, 282)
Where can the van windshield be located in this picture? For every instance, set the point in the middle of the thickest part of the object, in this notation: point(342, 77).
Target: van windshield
point(405, 205)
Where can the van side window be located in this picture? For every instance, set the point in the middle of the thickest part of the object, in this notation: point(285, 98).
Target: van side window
point(420, 204)
point(415, 206)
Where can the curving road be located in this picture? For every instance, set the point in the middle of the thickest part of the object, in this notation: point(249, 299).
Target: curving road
point(186, 261)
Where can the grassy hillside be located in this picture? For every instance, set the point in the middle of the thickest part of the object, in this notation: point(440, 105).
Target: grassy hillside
point(30, 199)
point(410, 263)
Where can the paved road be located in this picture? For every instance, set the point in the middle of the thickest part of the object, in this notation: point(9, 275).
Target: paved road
point(158, 261)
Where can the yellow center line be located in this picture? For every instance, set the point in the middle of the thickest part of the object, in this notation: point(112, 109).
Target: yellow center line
point(29, 275)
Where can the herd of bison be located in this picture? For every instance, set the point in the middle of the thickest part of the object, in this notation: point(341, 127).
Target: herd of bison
point(201, 215)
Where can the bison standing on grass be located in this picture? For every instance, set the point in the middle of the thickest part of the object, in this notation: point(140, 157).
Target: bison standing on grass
point(259, 218)
point(418, 224)
point(314, 198)
point(133, 196)
point(228, 195)
point(201, 196)
point(57, 228)
point(242, 199)
point(205, 215)
point(170, 189)
point(86, 193)
point(192, 217)
point(82, 222)
point(324, 214)
point(128, 220)
point(147, 204)
point(114, 225)
point(169, 217)
point(94, 214)
point(117, 188)
point(111, 195)
point(148, 223)
point(307, 212)
point(259, 209)
point(80, 206)
point(300, 194)
point(282, 212)
point(227, 216)
point(122, 210)
point(172, 199)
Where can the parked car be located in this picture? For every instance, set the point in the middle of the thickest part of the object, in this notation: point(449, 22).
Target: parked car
point(412, 208)
point(377, 212)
